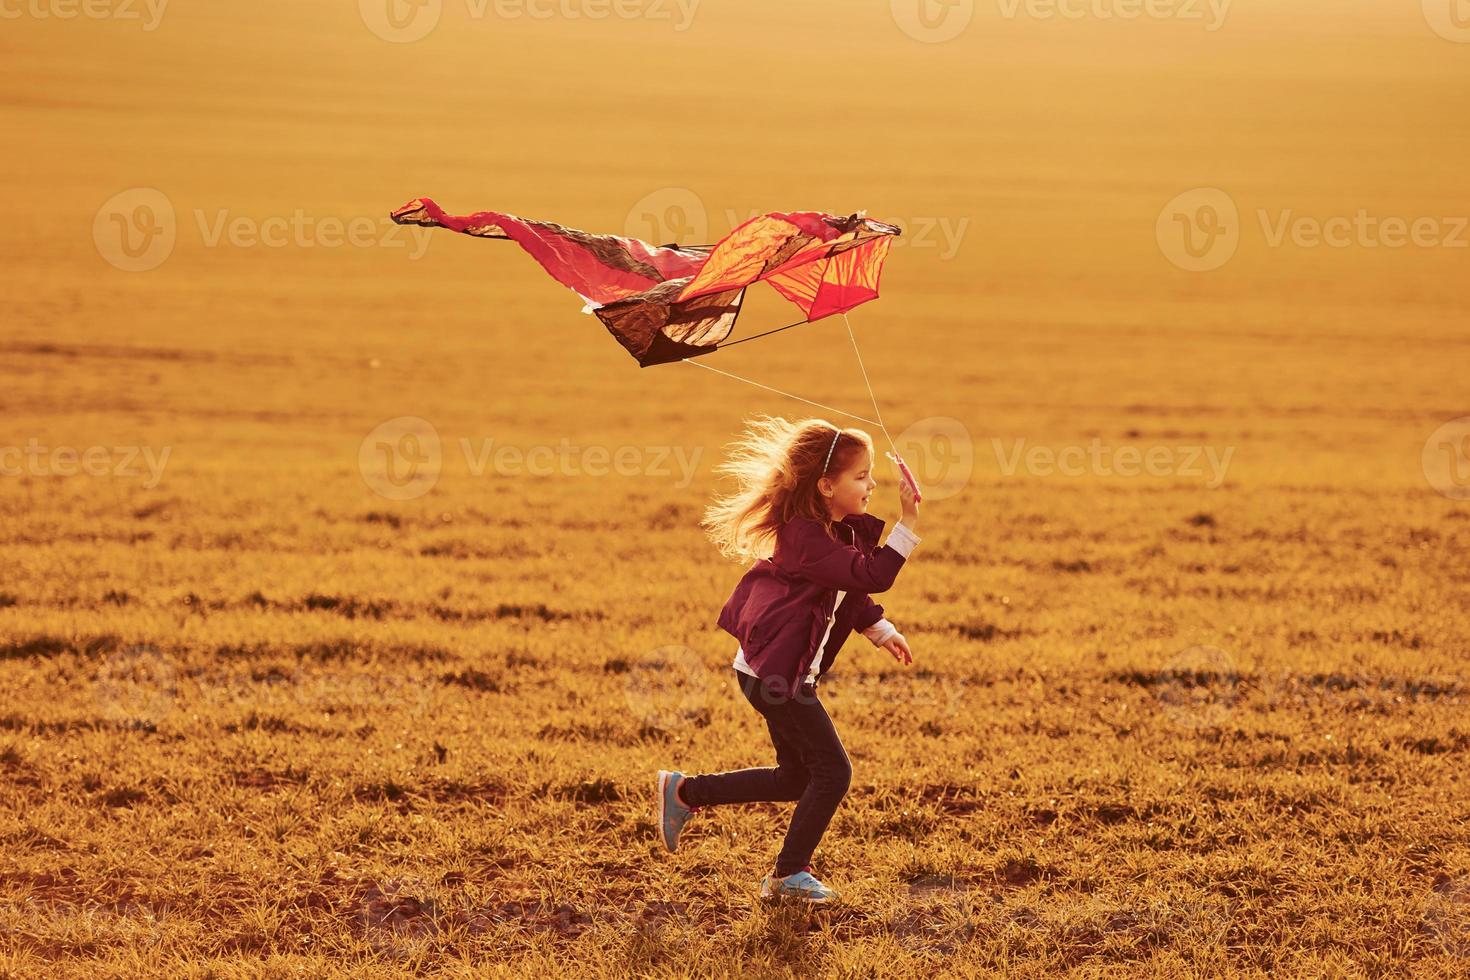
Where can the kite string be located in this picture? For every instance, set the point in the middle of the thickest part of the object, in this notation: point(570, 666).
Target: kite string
point(874, 398)
point(871, 396)
point(778, 391)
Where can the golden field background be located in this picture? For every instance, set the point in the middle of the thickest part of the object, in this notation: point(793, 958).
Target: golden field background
point(258, 718)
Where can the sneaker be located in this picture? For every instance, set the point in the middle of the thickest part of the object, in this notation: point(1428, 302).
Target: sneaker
point(672, 815)
point(802, 885)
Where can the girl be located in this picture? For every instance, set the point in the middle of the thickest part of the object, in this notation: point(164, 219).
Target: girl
point(802, 500)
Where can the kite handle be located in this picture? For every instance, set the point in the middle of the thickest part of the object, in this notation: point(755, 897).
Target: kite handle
point(907, 475)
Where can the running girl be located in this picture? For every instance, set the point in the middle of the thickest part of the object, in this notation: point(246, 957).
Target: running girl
point(800, 509)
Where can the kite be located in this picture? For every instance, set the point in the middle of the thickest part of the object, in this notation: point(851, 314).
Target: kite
point(667, 303)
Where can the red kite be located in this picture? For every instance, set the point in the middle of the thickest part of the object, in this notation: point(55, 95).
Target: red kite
point(670, 302)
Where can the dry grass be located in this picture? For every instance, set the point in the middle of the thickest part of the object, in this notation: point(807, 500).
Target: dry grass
point(257, 719)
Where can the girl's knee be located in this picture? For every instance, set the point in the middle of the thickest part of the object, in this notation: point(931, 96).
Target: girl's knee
point(792, 782)
point(836, 776)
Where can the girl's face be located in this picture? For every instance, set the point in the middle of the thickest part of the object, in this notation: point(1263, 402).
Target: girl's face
point(851, 488)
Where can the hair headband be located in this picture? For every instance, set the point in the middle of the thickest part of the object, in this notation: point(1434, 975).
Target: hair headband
point(829, 450)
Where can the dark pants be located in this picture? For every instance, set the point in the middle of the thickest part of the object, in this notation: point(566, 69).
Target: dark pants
point(812, 768)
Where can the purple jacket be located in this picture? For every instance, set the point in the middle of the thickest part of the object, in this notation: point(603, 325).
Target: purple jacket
point(780, 607)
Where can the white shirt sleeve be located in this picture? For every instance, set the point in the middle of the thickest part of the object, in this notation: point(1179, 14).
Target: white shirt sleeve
point(902, 540)
point(881, 632)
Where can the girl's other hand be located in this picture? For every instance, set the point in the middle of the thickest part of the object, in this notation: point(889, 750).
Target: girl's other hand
point(910, 506)
point(899, 647)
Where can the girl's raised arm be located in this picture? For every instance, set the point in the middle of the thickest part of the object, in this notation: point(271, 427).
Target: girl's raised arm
point(837, 565)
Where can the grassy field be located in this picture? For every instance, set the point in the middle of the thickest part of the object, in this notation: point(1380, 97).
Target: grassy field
point(352, 590)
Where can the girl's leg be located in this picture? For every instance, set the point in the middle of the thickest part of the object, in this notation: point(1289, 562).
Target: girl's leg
point(805, 722)
point(785, 782)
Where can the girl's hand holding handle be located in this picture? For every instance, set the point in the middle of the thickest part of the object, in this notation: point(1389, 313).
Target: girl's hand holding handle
point(910, 505)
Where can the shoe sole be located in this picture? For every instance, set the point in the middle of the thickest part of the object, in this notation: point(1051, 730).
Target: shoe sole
point(663, 794)
point(778, 896)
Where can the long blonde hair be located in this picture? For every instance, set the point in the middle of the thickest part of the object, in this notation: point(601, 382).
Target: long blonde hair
point(776, 464)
